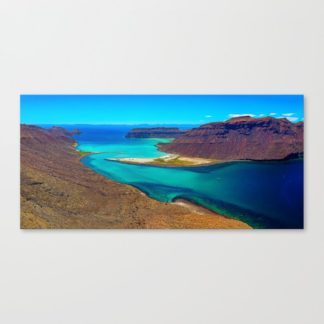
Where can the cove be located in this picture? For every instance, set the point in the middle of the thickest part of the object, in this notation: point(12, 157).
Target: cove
point(262, 194)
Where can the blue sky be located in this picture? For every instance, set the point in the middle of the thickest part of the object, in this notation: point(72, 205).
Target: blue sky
point(155, 109)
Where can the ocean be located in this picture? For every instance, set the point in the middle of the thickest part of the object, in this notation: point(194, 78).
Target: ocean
point(262, 194)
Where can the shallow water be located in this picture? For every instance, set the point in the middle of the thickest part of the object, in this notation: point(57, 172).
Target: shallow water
point(262, 194)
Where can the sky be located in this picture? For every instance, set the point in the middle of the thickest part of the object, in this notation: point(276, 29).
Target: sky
point(155, 109)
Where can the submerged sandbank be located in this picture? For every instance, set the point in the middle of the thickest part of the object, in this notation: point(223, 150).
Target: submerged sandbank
point(200, 210)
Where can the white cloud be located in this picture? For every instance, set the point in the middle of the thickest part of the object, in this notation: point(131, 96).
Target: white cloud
point(273, 114)
point(261, 115)
point(240, 115)
point(288, 114)
point(208, 116)
point(292, 119)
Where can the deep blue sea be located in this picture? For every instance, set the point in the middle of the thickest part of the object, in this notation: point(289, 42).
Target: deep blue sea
point(262, 194)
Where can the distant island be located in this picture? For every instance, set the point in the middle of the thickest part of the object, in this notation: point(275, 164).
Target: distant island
point(241, 138)
point(155, 132)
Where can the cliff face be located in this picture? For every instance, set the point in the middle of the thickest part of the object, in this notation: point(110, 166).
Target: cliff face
point(241, 138)
point(157, 132)
point(58, 191)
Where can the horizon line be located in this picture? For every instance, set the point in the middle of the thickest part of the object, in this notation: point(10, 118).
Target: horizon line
point(166, 123)
point(114, 124)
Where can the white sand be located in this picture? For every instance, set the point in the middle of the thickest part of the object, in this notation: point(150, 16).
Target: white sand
point(165, 158)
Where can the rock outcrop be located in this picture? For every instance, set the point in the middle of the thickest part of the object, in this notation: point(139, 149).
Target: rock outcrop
point(58, 191)
point(242, 138)
point(157, 132)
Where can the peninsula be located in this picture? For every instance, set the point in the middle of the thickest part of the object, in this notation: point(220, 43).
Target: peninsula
point(241, 138)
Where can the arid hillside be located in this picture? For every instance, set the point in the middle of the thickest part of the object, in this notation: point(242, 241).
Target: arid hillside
point(241, 138)
point(58, 191)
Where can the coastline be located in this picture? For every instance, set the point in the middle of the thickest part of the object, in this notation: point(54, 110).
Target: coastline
point(182, 202)
point(196, 207)
point(200, 210)
point(169, 160)
point(152, 162)
point(59, 192)
point(192, 207)
point(82, 154)
point(172, 160)
point(192, 163)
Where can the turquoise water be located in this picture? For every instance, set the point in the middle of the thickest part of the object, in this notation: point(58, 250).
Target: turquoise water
point(263, 194)
point(131, 148)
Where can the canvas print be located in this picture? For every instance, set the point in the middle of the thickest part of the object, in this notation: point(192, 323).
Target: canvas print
point(162, 161)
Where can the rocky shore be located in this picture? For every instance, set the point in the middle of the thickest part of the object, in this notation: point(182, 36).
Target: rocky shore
point(58, 191)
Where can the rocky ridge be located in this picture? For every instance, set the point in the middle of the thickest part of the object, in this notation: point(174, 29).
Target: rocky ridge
point(241, 138)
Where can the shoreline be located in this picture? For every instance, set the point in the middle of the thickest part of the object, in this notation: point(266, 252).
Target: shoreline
point(191, 206)
point(82, 154)
point(169, 160)
point(201, 210)
point(178, 161)
point(59, 191)
point(196, 207)
point(173, 160)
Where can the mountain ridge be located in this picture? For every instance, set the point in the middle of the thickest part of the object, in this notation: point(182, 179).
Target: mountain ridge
point(241, 138)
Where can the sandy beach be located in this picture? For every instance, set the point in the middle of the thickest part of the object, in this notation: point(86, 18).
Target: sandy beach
point(170, 160)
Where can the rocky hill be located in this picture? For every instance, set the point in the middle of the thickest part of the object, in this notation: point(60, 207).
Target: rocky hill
point(156, 132)
point(241, 138)
point(58, 191)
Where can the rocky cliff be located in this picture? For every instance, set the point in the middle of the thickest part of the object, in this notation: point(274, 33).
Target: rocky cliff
point(58, 191)
point(157, 132)
point(242, 138)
